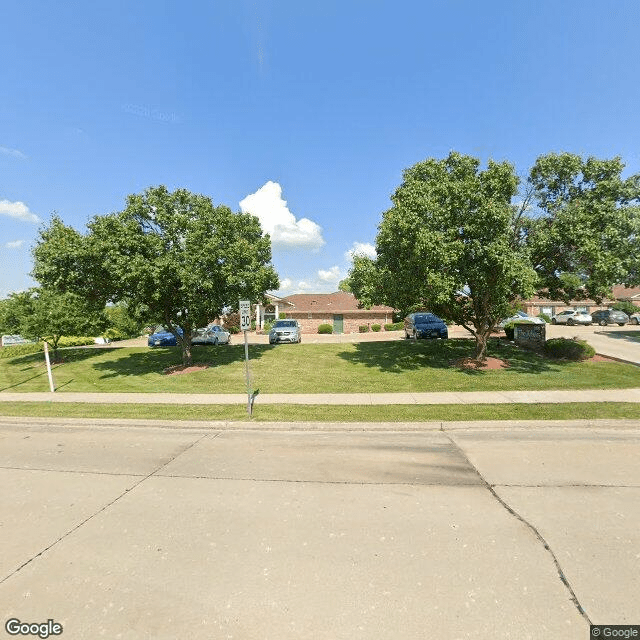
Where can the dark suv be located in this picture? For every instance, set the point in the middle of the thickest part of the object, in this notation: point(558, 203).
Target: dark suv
point(424, 325)
point(610, 316)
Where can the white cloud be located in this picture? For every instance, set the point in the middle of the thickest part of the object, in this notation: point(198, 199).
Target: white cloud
point(286, 232)
point(16, 244)
point(332, 275)
point(18, 210)
point(285, 284)
point(14, 153)
point(360, 249)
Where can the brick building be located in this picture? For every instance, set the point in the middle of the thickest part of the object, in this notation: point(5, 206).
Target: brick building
point(538, 304)
point(339, 309)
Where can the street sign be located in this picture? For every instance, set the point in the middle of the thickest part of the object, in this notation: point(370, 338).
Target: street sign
point(245, 315)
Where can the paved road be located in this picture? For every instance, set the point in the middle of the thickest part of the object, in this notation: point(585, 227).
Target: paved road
point(478, 531)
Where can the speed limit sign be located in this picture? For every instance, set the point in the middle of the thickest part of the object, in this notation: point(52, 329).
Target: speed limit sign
point(245, 315)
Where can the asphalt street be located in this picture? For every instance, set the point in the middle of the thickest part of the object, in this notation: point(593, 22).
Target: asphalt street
point(483, 531)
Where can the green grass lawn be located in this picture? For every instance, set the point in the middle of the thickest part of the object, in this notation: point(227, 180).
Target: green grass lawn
point(311, 368)
point(324, 413)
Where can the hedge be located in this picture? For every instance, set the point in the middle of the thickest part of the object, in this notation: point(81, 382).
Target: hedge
point(325, 328)
point(569, 349)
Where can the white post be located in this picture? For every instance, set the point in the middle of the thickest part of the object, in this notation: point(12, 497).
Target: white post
point(46, 357)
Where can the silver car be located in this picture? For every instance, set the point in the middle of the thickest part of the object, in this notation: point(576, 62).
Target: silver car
point(213, 334)
point(571, 317)
point(285, 331)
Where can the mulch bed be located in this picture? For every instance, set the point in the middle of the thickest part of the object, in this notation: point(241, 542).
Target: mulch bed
point(488, 365)
point(179, 369)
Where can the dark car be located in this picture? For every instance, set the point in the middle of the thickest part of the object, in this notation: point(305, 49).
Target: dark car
point(609, 316)
point(425, 325)
point(163, 338)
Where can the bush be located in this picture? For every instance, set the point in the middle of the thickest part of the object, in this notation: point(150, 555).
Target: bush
point(75, 341)
point(233, 330)
point(569, 349)
point(509, 330)
point(21, 350)
point(325, 328)
point(395, 326)
point(267, 327)
point(363, 328)
point(375, 327)
point(544, 317)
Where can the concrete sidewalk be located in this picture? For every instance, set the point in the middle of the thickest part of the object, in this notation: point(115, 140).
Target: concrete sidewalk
point(460, 397)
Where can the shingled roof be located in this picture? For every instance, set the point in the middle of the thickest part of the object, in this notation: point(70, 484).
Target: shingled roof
point(338, 302)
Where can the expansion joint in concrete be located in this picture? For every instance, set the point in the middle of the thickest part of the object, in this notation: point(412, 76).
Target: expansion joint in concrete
point(530, 526)
point(102, 509)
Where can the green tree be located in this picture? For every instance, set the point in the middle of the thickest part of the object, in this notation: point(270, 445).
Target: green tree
point(449, 244)
point(584, 234)
point(122, 323)
point(47, 314)
point(172, 257)
point(344, 285)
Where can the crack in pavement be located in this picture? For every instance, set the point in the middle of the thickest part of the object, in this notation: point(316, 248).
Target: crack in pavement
point(105, 507)
point(531, 527)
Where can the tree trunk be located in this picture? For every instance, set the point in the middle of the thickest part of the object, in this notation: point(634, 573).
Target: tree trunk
point(481, 345)
point(185, 343)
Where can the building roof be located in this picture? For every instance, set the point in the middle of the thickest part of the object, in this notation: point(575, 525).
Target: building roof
point(622, 292)
point(338, 302)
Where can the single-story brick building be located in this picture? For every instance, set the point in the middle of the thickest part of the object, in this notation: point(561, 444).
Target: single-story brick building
point(538, 304)
point(339, 309)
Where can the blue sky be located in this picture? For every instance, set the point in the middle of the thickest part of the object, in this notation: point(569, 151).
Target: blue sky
point(304, 112)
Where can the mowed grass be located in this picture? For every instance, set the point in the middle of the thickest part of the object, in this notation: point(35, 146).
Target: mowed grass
point(370, 367)
point(323, 413)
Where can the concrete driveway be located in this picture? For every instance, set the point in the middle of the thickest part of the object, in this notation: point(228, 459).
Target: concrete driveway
point(479, 531)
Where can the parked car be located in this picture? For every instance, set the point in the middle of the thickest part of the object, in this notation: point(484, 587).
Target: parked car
point(163, 338)
point(521, 316)
point(634, 318)
point(285, 331)
point(425, 325)
point(610, 316)
point(213, 334)
point(571, 317)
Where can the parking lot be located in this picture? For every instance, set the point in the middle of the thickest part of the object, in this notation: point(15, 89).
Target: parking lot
point(475, 531)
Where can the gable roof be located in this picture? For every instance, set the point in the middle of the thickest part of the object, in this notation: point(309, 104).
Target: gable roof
point(622, 292)
point(338, 302)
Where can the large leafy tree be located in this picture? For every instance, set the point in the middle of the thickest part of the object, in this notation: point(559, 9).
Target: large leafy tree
point(172, 257)
point(449, 244)
point(583, 230)
point(48, 314)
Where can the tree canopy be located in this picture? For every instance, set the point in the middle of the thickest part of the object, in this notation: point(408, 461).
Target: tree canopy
point(584, 230)
point(454, 241)
point(172, 257)
point(449, 245)
point(48, 314)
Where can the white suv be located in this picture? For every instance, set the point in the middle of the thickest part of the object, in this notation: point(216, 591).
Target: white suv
point(571, 317)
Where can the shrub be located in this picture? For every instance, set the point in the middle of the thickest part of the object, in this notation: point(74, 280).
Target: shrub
point(267, 327)
point(509, 330)
point(325, 328)
point(375, 327)
point(395, 326)
point(363, 328)
point(233, 330)
point(569, 349)
point(21, 350)
point(75, 341)
point(544, 317)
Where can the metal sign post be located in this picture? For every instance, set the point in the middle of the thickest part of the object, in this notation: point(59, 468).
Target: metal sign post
point(46, 357)
point(245, 325)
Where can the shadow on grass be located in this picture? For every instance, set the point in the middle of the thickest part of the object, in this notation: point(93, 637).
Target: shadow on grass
point(137, 362)
point(410, 355)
